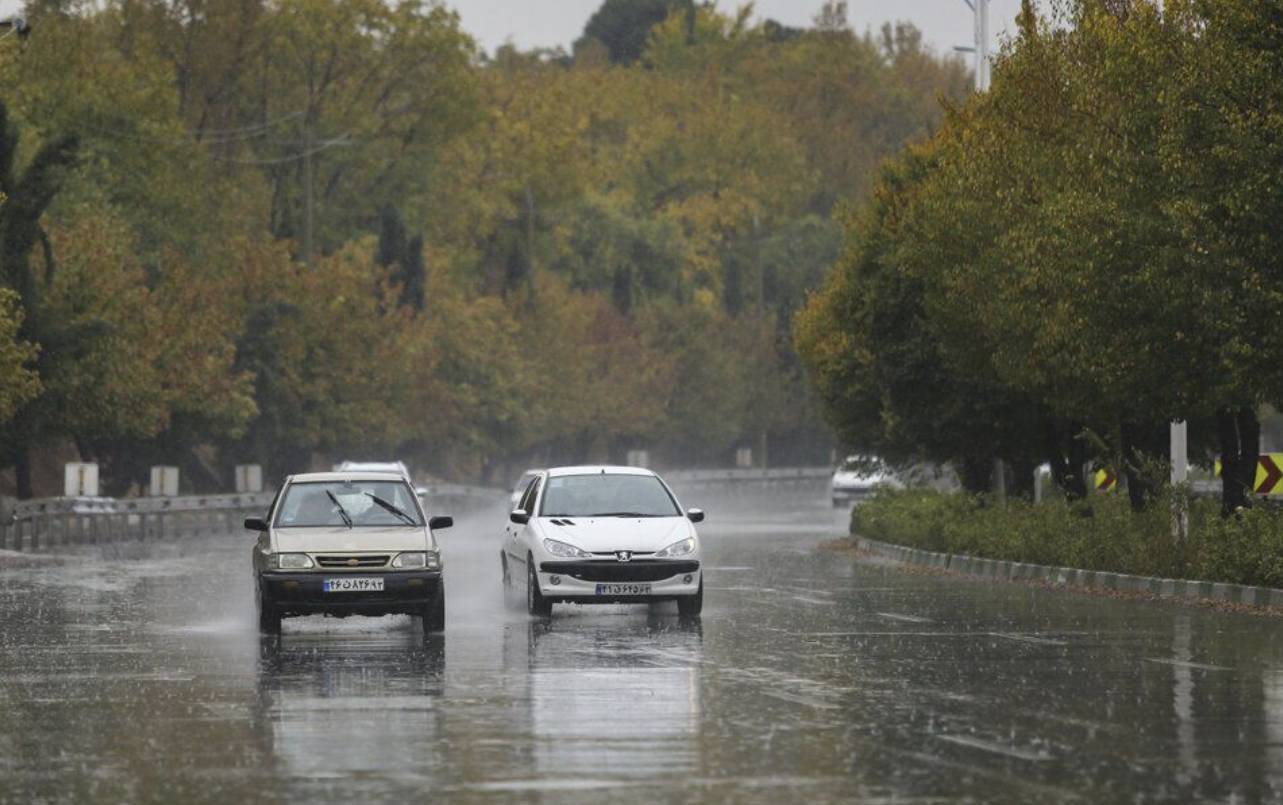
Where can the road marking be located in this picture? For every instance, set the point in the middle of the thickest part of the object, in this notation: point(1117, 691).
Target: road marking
point(804, 599)
point(794, 699)
point(1022, 638)
point(905, 618)
point(997, 749)
point(1199, 666)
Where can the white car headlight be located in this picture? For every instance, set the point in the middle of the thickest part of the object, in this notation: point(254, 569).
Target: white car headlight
point(565, 550)
point(293, 561)
point(684, 547)
point(411, 559)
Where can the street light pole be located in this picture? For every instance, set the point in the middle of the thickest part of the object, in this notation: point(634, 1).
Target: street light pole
point(980, 11)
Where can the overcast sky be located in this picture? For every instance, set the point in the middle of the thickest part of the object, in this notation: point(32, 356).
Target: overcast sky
point(549, 23)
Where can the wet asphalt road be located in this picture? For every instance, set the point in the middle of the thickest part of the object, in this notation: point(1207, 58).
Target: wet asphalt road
point(138, 676)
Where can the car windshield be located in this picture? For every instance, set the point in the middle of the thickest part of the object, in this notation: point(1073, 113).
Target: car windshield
point(607, 495)
point(335, 503)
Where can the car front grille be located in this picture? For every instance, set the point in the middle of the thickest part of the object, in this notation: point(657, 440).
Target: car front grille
point(353, 562)
point(636, 570)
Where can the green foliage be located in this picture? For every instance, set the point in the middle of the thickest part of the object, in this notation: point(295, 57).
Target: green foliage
point(623, 26)
point(1103, 533)
point(315, 229)
point(1085, 248)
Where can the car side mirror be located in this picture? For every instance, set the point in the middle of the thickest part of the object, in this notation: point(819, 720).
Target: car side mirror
point(438, 523)
point(255, 524)
point(519, 516)
point(695, 515)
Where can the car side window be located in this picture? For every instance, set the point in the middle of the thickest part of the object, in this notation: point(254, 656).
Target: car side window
point(528, 499)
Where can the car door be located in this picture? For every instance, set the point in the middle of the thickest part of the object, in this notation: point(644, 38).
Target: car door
point(513, 542)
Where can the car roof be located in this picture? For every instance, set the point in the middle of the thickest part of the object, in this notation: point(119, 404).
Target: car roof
point(597, 469)
point(364, 475)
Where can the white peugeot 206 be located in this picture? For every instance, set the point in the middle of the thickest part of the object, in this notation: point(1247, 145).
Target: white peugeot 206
point(602, 535)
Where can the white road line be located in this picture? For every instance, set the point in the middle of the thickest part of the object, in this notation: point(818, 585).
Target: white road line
point(997, 749)
point(1199, 666)
point(1024, 638)
point(893, 616)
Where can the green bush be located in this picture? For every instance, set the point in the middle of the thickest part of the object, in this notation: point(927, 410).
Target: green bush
point(1102, 533)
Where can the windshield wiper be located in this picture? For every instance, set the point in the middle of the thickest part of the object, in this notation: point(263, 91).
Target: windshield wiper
point(342, 511)
point(392, 508)
point(622, 514)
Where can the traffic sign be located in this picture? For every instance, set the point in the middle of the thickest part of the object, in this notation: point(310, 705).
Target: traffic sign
point(1269, 474)
point(1269, 471)
point(1106, 480)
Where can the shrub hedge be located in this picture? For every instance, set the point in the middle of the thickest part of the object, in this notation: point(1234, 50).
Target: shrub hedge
point(1102, 533)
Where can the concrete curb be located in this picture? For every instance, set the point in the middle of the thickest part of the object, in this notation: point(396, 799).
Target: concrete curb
point(1075, 577)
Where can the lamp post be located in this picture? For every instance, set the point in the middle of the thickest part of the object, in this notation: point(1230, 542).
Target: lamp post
point(980, 10)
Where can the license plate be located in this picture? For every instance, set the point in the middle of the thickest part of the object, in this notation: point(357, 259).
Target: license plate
point(352, 585)
point(623, 589)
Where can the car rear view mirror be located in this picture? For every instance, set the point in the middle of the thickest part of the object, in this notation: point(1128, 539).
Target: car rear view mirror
point(438, 523)
point(255, 524)
point(695, 515)
point(519, 516)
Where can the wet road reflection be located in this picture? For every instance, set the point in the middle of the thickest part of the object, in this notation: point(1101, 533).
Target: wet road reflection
point(140, 677)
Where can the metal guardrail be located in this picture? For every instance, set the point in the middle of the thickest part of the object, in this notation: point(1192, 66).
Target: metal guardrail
point(49, 523)
point(748, 475)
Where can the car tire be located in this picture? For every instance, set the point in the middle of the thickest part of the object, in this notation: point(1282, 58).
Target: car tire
point(269, 617)
point(536, 603)
point(434, 613)
point(690, 606)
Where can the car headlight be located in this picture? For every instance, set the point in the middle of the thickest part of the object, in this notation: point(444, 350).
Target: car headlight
point(430, 560)
point(293, 561)
point(565, 550)
point(683, 547)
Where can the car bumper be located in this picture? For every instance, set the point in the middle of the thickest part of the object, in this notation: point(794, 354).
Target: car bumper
point(582, 582)
point(404, 592)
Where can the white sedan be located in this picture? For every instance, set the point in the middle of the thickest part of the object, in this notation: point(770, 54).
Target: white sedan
point(602, 535)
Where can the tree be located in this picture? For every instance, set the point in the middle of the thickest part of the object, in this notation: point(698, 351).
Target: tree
point(624, 25)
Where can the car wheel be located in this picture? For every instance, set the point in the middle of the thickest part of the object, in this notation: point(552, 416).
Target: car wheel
point(269, 617)
point(536, 604)
point(689, 606)
point(434, 613)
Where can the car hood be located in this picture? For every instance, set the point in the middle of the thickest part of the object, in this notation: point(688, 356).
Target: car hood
point(330, 539)
point(601, 534)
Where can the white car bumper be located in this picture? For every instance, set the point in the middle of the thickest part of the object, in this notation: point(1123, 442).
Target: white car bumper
point(610, 582)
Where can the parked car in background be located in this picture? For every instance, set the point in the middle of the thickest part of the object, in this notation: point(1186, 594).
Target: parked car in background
point(859, 477)
point(384, 466)
point(347, 543)
point(597, 535)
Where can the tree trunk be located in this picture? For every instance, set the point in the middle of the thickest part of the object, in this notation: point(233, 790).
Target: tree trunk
point(1141, 444)
point(22, 471)
point(1022, 479)
point(1240, 436)
point(1068, 457)
point(976, 474)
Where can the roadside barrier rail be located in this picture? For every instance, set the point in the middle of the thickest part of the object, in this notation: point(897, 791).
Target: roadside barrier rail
point(50, 523)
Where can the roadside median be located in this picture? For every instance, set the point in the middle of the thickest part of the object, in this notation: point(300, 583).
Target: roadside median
point(1099, 544)
point(1005, 570)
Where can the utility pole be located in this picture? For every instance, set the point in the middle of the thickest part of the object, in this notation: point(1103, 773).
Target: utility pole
point(980, 10)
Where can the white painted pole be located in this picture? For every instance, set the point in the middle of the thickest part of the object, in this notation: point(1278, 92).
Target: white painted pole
point(1180, 474)
point(1180, 452)
point(980, 10)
